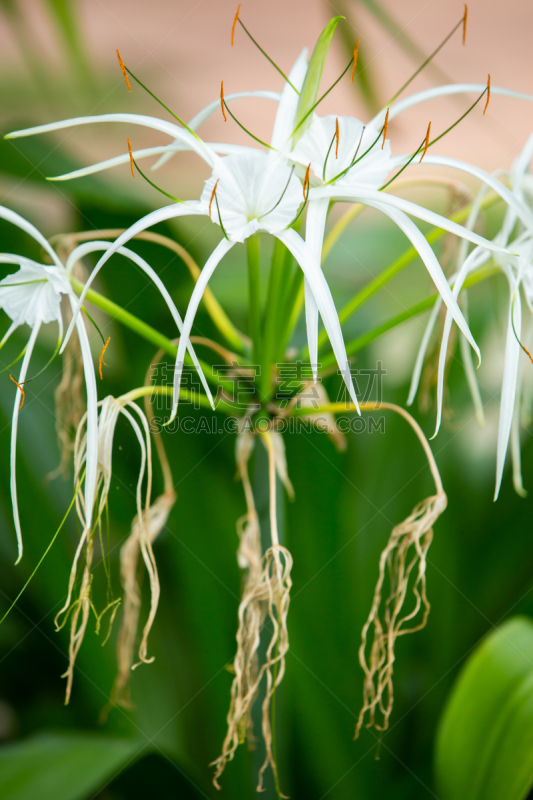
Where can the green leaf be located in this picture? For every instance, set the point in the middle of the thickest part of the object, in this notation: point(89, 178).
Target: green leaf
point(484, 745)
point(309, 93)
point(62, 766)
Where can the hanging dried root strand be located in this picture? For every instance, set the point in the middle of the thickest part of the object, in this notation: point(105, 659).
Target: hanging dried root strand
point(403, 564)
point(78, 609)
point(265, 603)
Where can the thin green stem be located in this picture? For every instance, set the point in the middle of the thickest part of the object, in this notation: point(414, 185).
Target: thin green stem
point(254, 295)
point(184, 394)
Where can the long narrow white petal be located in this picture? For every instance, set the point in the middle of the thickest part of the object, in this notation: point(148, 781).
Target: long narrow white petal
point(90, 247)
point(169, 128)
point(475, 259)
point(13, 327)
point(14, 429)
point(91, 455)
point(432, 265)
point(471, 379)
point(169, 149)
point(162, 214)
point(27, 227)
point(515, 442)
point(285, 118)
point(212, 108)
point(510, 374)
point(314, 237)
point(211, 264)
point(324, 300)
point(440, 91)
point(368, 196)
point(419, 363)
point(510, 198)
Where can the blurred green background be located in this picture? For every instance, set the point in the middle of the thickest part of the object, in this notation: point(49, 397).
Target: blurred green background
point(479, 566)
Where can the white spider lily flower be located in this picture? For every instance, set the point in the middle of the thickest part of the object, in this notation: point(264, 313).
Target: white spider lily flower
point(32, 296)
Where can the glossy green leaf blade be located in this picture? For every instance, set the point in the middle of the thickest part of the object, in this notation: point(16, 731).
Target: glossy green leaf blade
point(309, 93)
point(62, 766)
point(484, 745)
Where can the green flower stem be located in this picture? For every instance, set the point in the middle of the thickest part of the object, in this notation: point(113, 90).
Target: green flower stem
point(292, 309)
point(281, 260)
point(378, 283)
point(254, 295)
point(362, 341)
point(143, 329)
point(185, 394)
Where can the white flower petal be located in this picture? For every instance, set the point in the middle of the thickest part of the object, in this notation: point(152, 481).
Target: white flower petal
point(284, 122)
point(510, 373)
point(324, 300)
point(24, 225)
point(419, 363)
point(211, 264)
point(315, 226)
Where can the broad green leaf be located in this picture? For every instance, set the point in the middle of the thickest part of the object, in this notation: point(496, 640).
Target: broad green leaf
point(309, 93)
point(485, 740)
point(62, 766)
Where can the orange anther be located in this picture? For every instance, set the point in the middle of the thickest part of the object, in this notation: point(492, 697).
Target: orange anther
point(355, 54)
point(101, 359)
point(19, 386)
point(222, 101)
point(235, 24)
point(131, 156)
point(386, 125)
point(465, 20)
point(213, 193)
point(306, 181)
point(488, 96)
point(426, 145)
point(123, 68)
point(337, 137)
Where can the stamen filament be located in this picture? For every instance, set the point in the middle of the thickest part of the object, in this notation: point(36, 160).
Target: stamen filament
point(280, 199)
point(222, 101)
point(337, 137)
point(526, 351)
point(147, 179)
point(426, 144)
point(306, 179)
point(465, 20)
point(306, 196)
point(235, 25)
point(327, 156)
point(123, 68)
point(213, 193)
point(220, 219)
point(19, 386)
point(101, 359)
point(355, 54)
point(430, 58)
point(488, 95)
point(237, 19)
point(407, 163)
point(234, 118)
point(131, 157)
point(474, 104)
point(385, 126)
point(343, 73)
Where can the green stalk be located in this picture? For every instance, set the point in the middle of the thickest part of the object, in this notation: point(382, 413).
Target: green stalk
point(362, 341)
point(281, 258)
point(185, 394)
point(254, 295)
point(143, 329)
point(378, 283)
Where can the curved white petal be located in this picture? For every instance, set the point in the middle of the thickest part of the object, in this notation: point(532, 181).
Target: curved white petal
point(430, 260)
point(440, 91)
point(369, 197)
point(170, 149)
point(510, 374)
point(14, 429)
point(90, 247)
point(471, 379)
point(162, 214)
point(169, 128)
point(474, 260)
point(212, 108)
point(91, 455)
point(211, 264)
point(510, 198)
point(419, 363)
point(319, 286)
point(284, 122)
point(27, 227)
point(314, 236)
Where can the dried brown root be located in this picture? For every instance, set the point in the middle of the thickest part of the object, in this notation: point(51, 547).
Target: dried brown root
point(265, 603)
point(403, 562)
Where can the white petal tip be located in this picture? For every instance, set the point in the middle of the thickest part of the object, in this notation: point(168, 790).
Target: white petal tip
point(18, 557)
